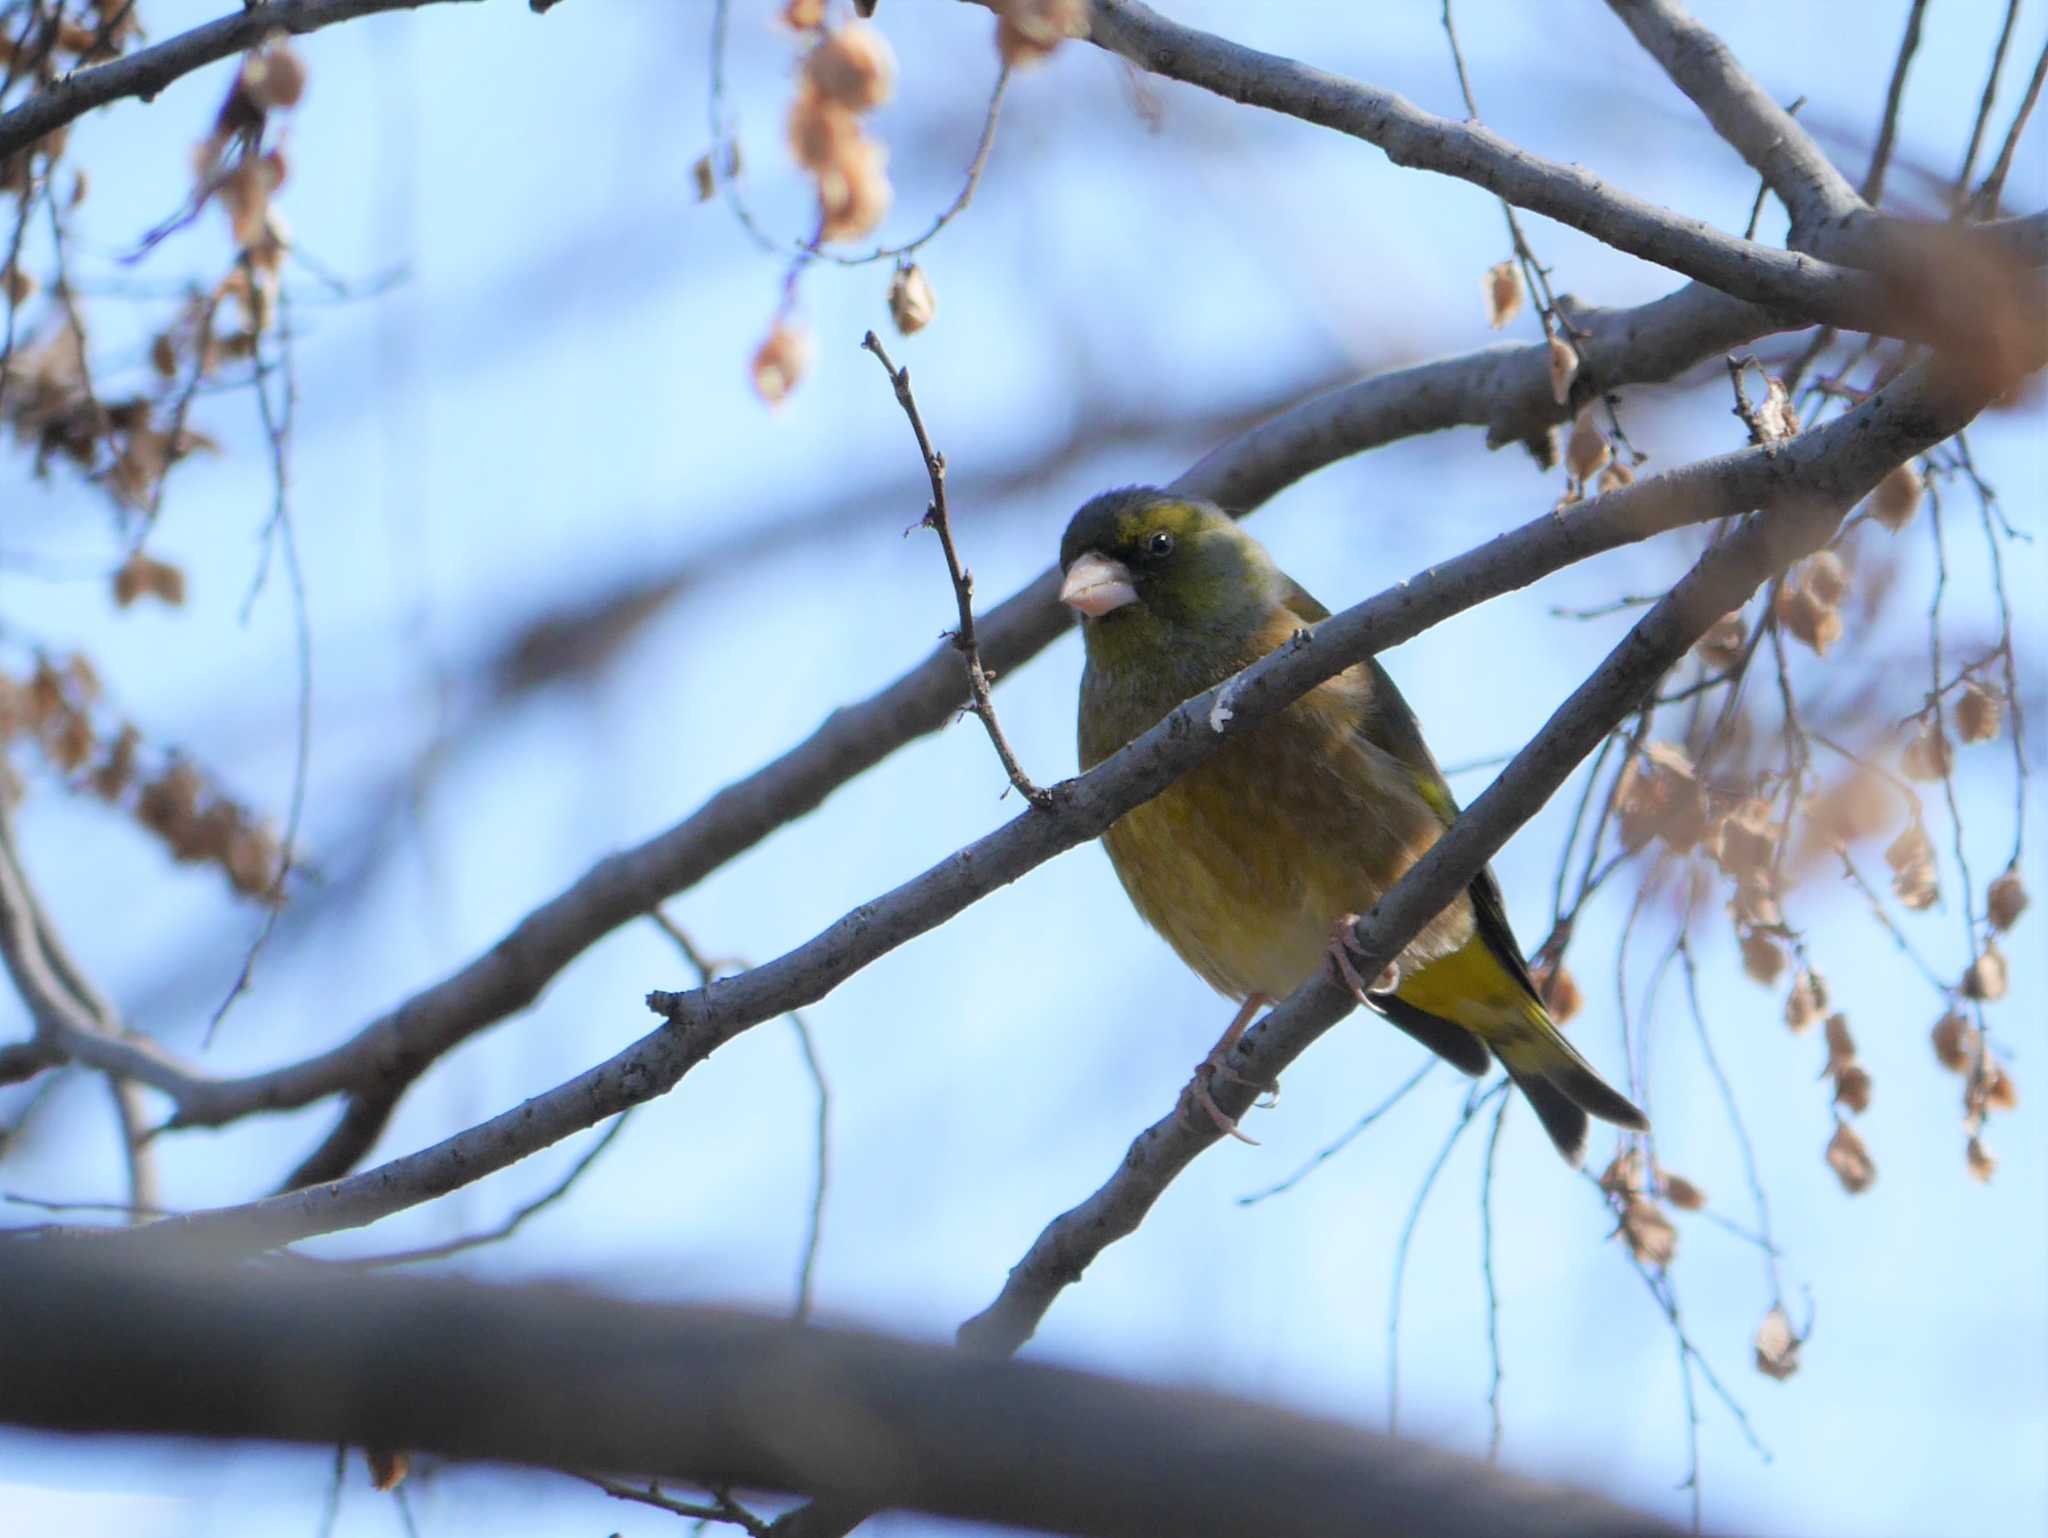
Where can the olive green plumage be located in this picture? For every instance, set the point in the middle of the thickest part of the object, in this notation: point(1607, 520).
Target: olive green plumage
point(1243, 864)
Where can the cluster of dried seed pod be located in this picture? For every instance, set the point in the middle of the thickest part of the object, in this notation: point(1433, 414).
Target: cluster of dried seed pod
point(1028, 31)
point(54, 708)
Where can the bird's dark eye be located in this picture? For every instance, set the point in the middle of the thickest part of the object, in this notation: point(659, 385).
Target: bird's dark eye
point(1160, 544)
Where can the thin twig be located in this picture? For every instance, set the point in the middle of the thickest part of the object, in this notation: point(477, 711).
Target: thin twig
point(1880, 157)
point(939, 521)
point(719, 1508)
point(1960, 199)
point(1486, 1272)
point(1985, 204)
point(707, 969)
point(1330, 1150)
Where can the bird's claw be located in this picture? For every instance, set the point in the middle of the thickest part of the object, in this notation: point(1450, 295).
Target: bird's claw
point(1343, 946)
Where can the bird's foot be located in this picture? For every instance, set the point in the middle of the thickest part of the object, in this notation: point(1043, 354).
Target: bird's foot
point(1343, 946)
point(1216, 1066)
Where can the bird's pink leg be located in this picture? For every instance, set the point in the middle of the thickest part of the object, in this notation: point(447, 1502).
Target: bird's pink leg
point(1210, 1067)
point(1343, 946)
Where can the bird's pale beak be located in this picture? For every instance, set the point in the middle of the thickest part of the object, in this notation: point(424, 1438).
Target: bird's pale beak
point(1095, 585)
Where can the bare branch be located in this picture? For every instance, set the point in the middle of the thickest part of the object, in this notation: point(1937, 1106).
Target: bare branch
point(1888, 127)
point(1827, 469)
point(1788, 281)
point(147, 71)
point(545, 1376)
point(939, 519)
point(1742, 112)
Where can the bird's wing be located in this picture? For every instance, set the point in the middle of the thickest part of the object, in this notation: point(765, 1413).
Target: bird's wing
point(1391, 726)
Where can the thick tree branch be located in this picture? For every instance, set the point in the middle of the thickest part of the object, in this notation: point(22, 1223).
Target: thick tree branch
point(1813, 191)
point(553, 1378)
point(1790, 281)
point(1506, 390)
point(148, 70)
point(1831, 465)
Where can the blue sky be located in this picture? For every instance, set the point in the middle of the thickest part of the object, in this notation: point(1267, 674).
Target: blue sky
point(554, 399)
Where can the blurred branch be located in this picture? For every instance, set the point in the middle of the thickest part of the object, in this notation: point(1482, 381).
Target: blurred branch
point(1829, 467)
point(147, 71)
point(555, 1378)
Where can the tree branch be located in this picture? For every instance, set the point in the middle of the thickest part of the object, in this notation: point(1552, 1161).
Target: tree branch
point(148, 70)
point(1834, 464)
point(1506, 390)
point(1815, 193)
point(554, 1378)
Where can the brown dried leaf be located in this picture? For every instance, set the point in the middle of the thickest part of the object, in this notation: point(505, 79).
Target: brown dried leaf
point(1683, 1194)
point(1816, 624)
point(1852, 1088)
point(912, 304)
point(853, 67)
point(1850, 1160)
point(1978, 713)
point(780, 362)
point(1586, 450)
point(387, 1468)
point(1985, 978)
point(1982, 1165)
point(1564, 368)
point(1722, 646)
point(1897, 498)
point(1841, 1045)
point(1762, 958)
point(1651, 1238)
point(1928, 756)
point(1955, 1042)
point(1746, 842)
point(1826, 577)
point(1806, 1001)
point(1777, 1348)
point(2006, 900)
point(1503, 293)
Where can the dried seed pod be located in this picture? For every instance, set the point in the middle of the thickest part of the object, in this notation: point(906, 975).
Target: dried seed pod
point(1841, 1045)
point(1683, 1194)
point(1586, 450)
point(1745, 842)
point(704, 178)
point(2006, 900)
point(1651, 1238)
point(1981, 1164)
point(854, 192)
point(273, 75)
point(1955, 1042)
point(1777, 417)
point(1624, 1173)
point(1928, 756)
point(2000, 1093)
point(1897, 498)
point(853, 67)
point(1917, 887)
point(1826, 577)
point(780, 362)
point(1558, 990)
point(804, 15)
point(1762, 958)
point(912, 304)
point(1777, 1348)
point(1862, 806)
point(1723, 644)
point(1852, 1088)
point(387, 1468)
point(1564, 368)
point(1817, 624)
point(1614, 477)
point(1503, 293)
point(1850, 1160)
point(821, 132)
point(1806, 1001)
point(1658, 796)
point(1985, 977)
point(1028, 31)
point(1978, 712)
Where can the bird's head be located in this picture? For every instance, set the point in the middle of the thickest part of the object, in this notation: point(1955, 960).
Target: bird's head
point(1141, 565)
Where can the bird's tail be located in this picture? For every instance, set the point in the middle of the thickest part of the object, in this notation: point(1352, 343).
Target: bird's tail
point(1561, 1086)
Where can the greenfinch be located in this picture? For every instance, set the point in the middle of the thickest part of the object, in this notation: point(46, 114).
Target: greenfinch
point(1252, 864)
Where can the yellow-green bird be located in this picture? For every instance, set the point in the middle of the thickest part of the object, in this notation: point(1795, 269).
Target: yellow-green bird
point(1246, 863)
